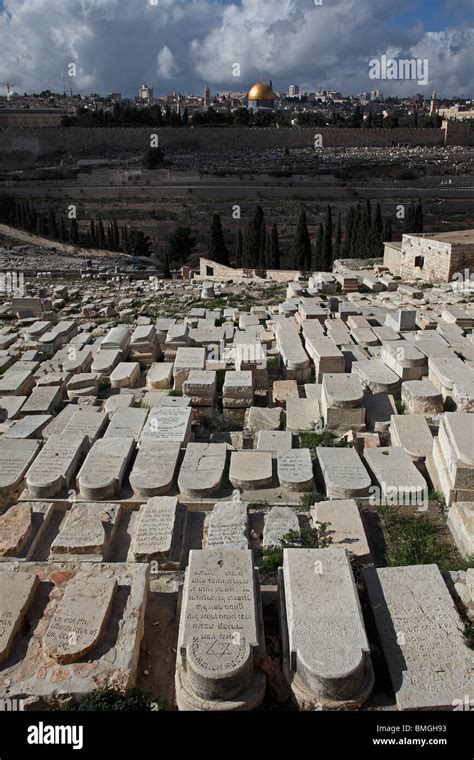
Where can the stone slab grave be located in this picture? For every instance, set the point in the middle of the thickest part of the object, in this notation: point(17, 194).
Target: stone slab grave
point(237, 390)
point(127, 423)
point(87, 533)
point(227, 526)
point(200, 387)
point(295, 470)
point(16, 456)
point(159, 376)
point(16, 597)
point(405, 360)
point(342, 402)
point(16, 382)
point(451, 466)
point(31, 426)
point(345, 526)
point(342, 473)
point(105, 361)
point(22, 527)
point(302, 414)
point(54, 468)
point(461, 525)
point(325, 650)
point(154, 470)
point(88, 422)
point(279, 521)
point(169, 424)
point(103, 472)
point(411, 433)
point(444, 373)
point(376, 376)
point(275, 441)
point(158, 534)
point(251, 469)
point(186, 360)
point(422, 397)
point(10, 407)
point(202, 469)
point(84, 627)
point(44, 399)
point(221, 640)
point(397, 481)
point(125, 375)
point(422, 637)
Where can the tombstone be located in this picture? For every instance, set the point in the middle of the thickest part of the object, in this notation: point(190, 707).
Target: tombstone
point(87, 533)
point(405, 360)
point(160, 375)
point(31, 426)
point(422, 637)
point(401, 320)
point(15, 600)
point(326, 653)
point(279, 521)
point(295, 470)
point(251, 469)
point(411, 433)
point(118, 338)
point(238, 390)
point(16, 456)
point(376, 376)
point(343, 473)
point(220, 641)
point(169, 423)
point(422, 397)
point(58, 424)
point(55, 466)
point(345, 526)
point(125, 375)
point(277, 442)
point(452, 462)
point(445, 372)
point(202, 469)
point(158, 537)
point(283, 390)
point(22, 527)
point(43, 400)
point(227, 526)
point(79, 621)
point(16, 382)
point(263, 418)
point(12, 405)
point(398, 481)
point(461, 525)
point(302, 414)
point(154, 470)
point(342, 402)
point(127, 423)
point(186, 360)
point(83, 384)
point(200, 386)
point(89, 422)
point(102, 474)
point(105, 361)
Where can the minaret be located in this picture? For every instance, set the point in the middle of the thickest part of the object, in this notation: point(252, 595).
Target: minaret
point(207, 98)
point(433, 105)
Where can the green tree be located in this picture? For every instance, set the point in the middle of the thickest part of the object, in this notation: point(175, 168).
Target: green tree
point(338, 241)
point(153, 158)
point(240, 250)
point(138, 244)
point(217, 248)
point(74, 232)
point(302, 252)
point(252, 240)
point(181, 245)
point(317, 263)
point(327, 247)
point(52, 225)
point(274, 261)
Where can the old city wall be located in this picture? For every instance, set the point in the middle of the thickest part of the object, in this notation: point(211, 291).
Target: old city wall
point(98, 142)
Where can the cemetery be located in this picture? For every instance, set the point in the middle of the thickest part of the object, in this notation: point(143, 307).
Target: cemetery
point(238, 496)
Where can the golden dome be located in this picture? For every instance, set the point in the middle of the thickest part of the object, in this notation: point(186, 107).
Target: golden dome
point(261, 91)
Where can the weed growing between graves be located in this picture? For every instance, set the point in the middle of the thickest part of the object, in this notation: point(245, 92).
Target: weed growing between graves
point(312, 440)
point(108, 699)
point(401, 408)
point(175, 394)
point(437, 498)
point(415, 539)
point(315, 537)
point(274, 369)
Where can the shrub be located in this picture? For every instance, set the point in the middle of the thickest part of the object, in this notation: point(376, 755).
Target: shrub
point(109, 699)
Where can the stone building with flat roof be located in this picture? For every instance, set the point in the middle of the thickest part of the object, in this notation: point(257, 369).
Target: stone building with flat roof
point(433, 257)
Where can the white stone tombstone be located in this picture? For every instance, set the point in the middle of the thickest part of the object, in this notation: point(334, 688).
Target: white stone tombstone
point(104, 469)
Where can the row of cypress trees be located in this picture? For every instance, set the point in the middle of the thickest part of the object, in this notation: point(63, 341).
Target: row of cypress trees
point(360, 234)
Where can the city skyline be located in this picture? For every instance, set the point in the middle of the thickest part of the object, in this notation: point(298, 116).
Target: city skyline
point(183, 46)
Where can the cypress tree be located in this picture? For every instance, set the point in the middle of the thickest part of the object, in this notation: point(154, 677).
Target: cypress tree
point(387, 230)
point(275, 258)
point(100, 233)
point(62, 229)
point(252, 241)
point(74, 232)
point(92, 233)
point(263, 245)
point(418, 217)
point(319, 251)
point(327, 247)
point(338, 241)
point(115, 236)
point(110, 243)
point(217, 248)
point(240, 250)
point(52, 226)
point(302, 244)
point(346, 248)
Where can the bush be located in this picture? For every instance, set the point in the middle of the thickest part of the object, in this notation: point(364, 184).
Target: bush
point(316, 537)
point(109, 699)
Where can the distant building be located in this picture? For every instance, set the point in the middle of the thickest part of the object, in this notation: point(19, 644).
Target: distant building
point(293, 91)
point(433, 257)
point(145, 92)
point(433, 105)
point(30, 117)
point(261, 98)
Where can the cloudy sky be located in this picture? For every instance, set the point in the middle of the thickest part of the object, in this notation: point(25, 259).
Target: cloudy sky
point(185, 44)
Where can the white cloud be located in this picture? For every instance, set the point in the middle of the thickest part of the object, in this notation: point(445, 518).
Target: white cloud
point(184, 44)
point(167, 68)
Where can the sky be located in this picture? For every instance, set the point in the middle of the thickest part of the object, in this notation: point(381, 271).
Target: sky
point(183, 45)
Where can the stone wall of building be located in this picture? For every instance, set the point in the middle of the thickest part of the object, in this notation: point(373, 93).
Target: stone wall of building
point(97, 141)
point(433, 260)
point(210, 270)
